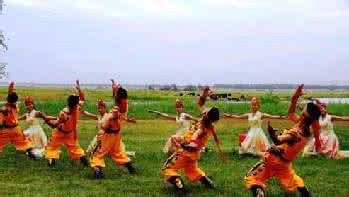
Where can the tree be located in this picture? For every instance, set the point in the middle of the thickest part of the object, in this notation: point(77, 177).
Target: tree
point(2, 70)
point(3, 45)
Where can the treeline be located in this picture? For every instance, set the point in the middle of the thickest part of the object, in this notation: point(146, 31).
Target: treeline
point(175, 87)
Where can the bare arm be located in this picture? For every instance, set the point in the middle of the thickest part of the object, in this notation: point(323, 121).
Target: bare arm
point(218, 144)
point(277, 140)
point(292, 109)
point(189, 117)
point(269, 116)
point(89, 114)
point(50, 120)
point(81, 93)
point(128, 119)
point(202, 99)
point(339, 118)
point(232, 116)
point(11, 87)
point(167, 116)
point(22, 117)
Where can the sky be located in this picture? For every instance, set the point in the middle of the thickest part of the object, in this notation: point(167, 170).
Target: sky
point(176, 41)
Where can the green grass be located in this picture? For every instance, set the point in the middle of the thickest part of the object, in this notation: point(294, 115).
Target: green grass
point(52, 100)
point(23, 177)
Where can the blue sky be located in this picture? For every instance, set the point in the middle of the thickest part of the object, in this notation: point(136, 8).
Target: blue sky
point(182, 41)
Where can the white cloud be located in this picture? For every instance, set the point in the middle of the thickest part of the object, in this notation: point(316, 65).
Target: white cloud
point(110, 8)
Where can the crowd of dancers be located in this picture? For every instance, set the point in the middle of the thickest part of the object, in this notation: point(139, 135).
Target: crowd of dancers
point(184, 148)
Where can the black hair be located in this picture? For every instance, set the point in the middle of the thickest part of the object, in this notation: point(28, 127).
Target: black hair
point(121, 94)
point(314, 111)
point(213, 114)
point(12, 97)
point(73, 101)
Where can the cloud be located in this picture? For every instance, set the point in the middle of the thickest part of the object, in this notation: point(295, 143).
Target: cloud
point(111, 8)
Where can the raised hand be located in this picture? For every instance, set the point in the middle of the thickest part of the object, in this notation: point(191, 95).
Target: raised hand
point(77, 86)
point(299, 91)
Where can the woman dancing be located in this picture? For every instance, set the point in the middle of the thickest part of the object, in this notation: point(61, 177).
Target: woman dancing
point(183, 121)
point(328, 138)
point(186, 158)
point(277, 161)
point(256, 142)
point(35, 132)
point(65, 130)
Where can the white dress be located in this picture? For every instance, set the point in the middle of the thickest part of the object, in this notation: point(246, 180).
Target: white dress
point(329, 140)
point(256, 141)
point(183, 125)
point(36, 134)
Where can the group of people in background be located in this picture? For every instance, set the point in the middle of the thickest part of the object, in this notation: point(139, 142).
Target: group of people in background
point(184, 148)
point(33, 141)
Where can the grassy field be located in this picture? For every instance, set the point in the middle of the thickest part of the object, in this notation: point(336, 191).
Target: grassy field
point(51, 100)
point(23, 177)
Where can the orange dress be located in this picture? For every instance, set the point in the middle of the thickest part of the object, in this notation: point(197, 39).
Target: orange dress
point(65, 134)
point(279, 165)
point(10, 132)
point(187, 160)
point(111, 145)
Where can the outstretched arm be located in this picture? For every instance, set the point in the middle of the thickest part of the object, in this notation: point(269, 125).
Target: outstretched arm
point(269, 116)
point(202, 99)
point(165, 115)
point(128, 119)
point(89, 114)
point(189, 117)
point(11, 87)
point(339, 118)
point(81, 93)
point(232, 116)
point(50, 120)
point(115, 87)
point(292, 109)
point(22, 117)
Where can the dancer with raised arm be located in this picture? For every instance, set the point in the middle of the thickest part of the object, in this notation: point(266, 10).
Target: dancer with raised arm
point(10, 132)
point(65, 130)
point(186, 158)
point(277, 161)
point(109, 138)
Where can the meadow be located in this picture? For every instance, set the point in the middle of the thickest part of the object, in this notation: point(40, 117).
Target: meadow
point(20, 176)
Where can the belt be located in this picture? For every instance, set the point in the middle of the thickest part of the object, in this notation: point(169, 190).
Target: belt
point(9, 126)
point(281, 157)
point(111, 131)
point(61, 130)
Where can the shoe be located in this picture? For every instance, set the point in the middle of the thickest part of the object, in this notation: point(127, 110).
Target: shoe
point(84, 161)
point(207, 182)
point(98, 172)
point(51, 162)
point(130, 168)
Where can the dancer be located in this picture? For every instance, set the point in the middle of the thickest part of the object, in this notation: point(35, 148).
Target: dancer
point(35, 132)
point(329, 140)
point(186, 158)
point(65, 130)
point(183, 121)
point(121, 102)
point(109, 140)
point(10, 132)
point(277, 161)
point(256, 141)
